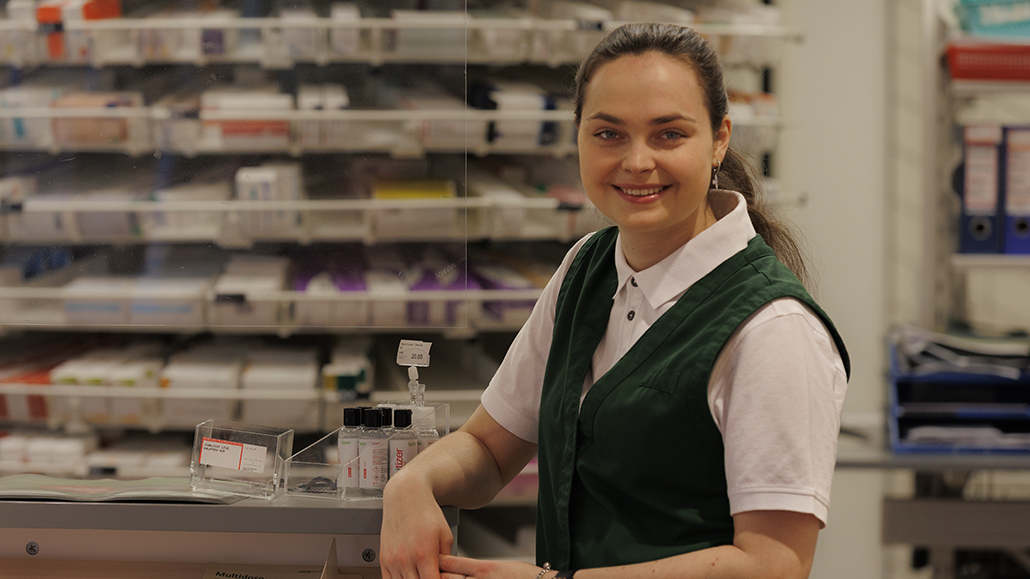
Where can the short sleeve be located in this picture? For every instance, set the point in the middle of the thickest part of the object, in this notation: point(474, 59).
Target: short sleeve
point(776, 393)
point(513, 396)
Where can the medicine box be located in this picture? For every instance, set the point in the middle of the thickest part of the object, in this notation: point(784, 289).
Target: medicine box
point(98, 300)
point(79, 131)
point(344, 34)
point(201, 373)
point(445, 38)
point(244, 133)
point(419, 221)
point(266, 373)
point(176, 302)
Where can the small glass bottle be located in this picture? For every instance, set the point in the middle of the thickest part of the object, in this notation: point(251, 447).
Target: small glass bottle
point(373, 455)
point(404, 442)
point(348, 448)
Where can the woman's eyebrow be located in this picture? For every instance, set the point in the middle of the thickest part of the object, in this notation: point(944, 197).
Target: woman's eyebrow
point(672, 118)
point(656, 121)
point(606, 118)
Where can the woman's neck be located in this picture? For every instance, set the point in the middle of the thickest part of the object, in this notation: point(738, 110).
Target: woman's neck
point(644, 249)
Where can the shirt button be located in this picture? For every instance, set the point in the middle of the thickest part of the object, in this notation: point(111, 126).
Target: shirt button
point(631, 315)
point(633, 281)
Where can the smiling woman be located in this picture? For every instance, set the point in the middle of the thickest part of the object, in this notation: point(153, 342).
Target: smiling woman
point(677, 338)
point(647, 151)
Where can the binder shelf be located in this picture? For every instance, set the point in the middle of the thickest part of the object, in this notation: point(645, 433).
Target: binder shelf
point(951, 412)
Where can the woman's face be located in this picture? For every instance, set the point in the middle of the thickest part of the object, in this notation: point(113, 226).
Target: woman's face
point(647, 148)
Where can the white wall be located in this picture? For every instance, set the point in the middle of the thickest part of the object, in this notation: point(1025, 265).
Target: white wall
point(833, 89)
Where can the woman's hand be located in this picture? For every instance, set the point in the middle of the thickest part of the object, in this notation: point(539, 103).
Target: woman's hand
point(415, 532)
point(458, 567)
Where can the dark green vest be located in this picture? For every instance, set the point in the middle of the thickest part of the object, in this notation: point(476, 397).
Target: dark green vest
point(637, 473)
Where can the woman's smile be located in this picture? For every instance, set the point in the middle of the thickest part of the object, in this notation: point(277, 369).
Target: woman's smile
point(641, 193)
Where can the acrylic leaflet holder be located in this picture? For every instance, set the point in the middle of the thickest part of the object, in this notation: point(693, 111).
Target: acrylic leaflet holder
point(242, 459)
point(348, 465)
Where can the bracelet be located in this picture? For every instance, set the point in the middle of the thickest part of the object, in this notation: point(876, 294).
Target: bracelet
point(547, 567)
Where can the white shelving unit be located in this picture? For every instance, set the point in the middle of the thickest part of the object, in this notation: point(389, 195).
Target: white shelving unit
point(522, 42)
point(953, 283)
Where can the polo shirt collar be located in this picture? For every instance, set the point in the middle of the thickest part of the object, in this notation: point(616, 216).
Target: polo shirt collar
point(671, 277)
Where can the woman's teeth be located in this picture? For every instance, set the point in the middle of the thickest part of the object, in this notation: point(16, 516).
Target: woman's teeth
point(642, 192)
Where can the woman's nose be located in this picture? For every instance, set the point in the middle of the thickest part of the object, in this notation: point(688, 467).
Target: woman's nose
point(639, 158)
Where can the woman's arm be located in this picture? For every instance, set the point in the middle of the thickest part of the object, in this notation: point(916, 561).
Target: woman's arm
point(766, 545)
point(466, 469)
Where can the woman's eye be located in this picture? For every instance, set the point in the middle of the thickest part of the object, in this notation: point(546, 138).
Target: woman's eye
point(672, 135)
point(607, 134)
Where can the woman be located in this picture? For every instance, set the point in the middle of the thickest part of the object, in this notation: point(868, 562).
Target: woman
point(682, 389)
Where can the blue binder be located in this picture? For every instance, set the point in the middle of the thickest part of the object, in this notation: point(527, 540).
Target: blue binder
point(982, 220)
point(1017, 190)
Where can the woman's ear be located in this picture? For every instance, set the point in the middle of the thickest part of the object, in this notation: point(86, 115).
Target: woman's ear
point(722, 140)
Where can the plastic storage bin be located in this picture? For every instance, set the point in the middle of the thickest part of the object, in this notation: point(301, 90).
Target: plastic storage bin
point(985, 61)
point(950, 412)
point(242, 459)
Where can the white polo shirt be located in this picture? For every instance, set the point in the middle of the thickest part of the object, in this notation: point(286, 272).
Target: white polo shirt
point(776, 391)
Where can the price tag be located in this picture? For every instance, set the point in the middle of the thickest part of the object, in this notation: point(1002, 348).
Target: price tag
point(232, 455)
point(413, 353)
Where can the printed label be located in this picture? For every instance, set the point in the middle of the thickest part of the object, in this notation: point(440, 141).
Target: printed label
point(1017, 185)
point(375, 464)
point(232, 455)
point(413, 353)
point(401, 453)
point(981, 186)
point(348, 462)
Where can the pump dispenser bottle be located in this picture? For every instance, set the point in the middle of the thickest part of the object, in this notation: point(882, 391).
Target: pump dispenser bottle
point(373, 455)
point(348, 448)
point(404, 442)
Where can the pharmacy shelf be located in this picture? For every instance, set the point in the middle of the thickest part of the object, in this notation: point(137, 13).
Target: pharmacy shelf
point(226, 223)
point(286, 41)
point(111, 309)
point(396, 132)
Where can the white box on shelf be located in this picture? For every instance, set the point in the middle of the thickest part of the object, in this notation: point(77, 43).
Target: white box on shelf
point(33, 132)
point(135, 373)
point(89, 301)
point(271, 375)
point(186, 224)
point(309, 98)
point(301, 42)
point(344, 36)
point(244, 133)
point(232, 307)
point(436, 41)
point(389, 297)
point(150, 307)
point(204, 374)
point(335, 98)
point(418, 221)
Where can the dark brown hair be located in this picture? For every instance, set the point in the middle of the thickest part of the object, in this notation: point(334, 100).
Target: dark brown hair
point(736, 172)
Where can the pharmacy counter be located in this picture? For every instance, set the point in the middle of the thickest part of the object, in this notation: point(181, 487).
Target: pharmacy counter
point(42, 538)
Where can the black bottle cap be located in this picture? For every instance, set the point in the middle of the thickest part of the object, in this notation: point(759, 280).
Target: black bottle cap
point(373, 418)
point(387, 414)
point(402, 417)
point(352, 417)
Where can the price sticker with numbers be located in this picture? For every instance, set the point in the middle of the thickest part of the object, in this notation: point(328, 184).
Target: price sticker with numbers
point(413, 353)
